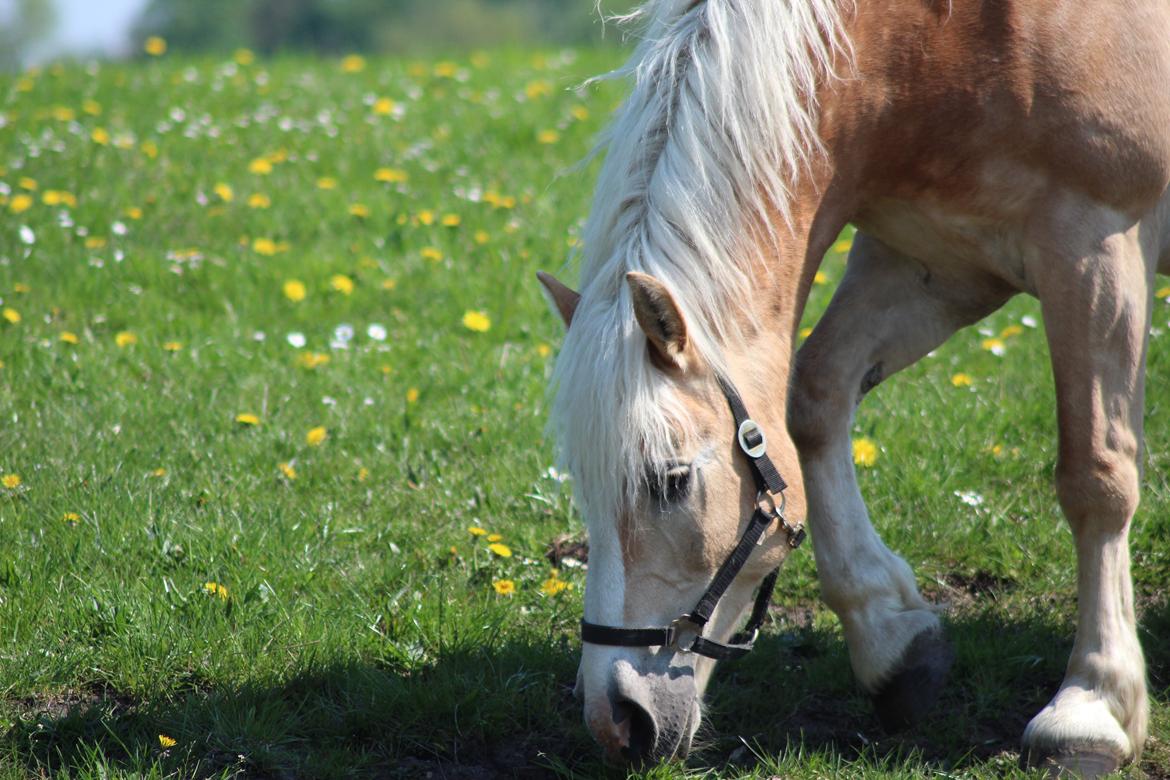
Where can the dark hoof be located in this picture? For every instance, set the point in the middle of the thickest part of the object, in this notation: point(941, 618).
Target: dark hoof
point(1087, 763)
point(917, 680)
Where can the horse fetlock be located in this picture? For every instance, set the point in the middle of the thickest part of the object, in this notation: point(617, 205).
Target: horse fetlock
point(884, 641)
point(913, 688)
point(1079, 733)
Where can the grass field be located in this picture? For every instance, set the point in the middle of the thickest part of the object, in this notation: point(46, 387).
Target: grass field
point(271, 345)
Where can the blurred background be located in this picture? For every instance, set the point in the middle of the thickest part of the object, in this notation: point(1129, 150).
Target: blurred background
point(33, 32)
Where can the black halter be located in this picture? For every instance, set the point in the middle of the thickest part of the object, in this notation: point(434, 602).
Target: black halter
point(685, 633)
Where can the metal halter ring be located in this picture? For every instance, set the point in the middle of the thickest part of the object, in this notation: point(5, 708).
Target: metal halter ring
point(750, 427)
point(766, 502)
point(680, 628)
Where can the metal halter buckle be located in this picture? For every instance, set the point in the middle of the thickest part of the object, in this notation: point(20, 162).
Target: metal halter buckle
point(750, 427)
point(679, 629)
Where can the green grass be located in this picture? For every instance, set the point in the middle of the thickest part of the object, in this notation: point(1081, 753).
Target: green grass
point(360, 633)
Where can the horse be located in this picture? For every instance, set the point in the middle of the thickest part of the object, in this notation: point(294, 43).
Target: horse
point(982, 149)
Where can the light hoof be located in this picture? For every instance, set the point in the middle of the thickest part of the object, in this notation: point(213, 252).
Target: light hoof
point(1087, 763)
point(913, 688)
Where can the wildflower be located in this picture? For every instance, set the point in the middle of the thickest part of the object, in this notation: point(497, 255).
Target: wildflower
point(432, 254)
point(69, 337)
point(580, 113)
point(1163, 293)
point(28, 183)
point(95, 242)
point(548, 137)
point(215, 589)
point(296, 339)
point(100, 136)
point(21, 287)
point(821, 278)
point(475, 530)
point(63, 113)
point(312, 360)
point(294, 290)
point(384, 106)
point(264, 246)
point(359, 210)
point(482, 237)
point(260, 166)
point(537, 89)
point(451, 220)
point(11, 315)
point(247, 418)
point(92, 107)
point(865, 452)
point(544, 350)
point(315, 436)
point(504, 587)
point(224, 191)
point(125, 338)
point(843, 246)
point(166, 742)
point(962, 380)
point(71, 518)
point(805, 332)
point(495, 537)
point(244, 57)
point(553, 585)
point(20, 203)
point(353, 63)
point(10, 481)
point(172, 346)
point(159, 472)
point(342, 283)
point(150, 149)
point(476, 321)
point(326, 183)
point(289, 472)
point(994, 346)
point(1011, 330)
point(389, 284)
point(412, 395)
point(133, 212)
point(155, 47)
point(259, 200)
point(426, 217)
point(390, 175)
point(363, 474)
point(500, 549)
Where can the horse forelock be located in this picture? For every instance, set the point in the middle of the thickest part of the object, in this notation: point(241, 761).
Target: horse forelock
point(699, 169)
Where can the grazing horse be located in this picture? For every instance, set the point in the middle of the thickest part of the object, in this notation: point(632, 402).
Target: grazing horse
point(983, 148)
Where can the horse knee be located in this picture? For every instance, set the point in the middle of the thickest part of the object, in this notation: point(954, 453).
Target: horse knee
point(1098, 490)
point(817, 403)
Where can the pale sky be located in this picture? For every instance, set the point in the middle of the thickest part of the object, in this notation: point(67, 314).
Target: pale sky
point(91, 27)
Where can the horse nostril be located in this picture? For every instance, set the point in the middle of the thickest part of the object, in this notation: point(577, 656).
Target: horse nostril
point(641, 730)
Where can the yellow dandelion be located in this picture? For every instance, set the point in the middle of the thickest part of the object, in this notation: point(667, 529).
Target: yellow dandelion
point(994, 346)
point(412, 395)
point(384, 106)
point(225, 192)
point(544, 350)
point(150, 149)
point(100, 136)
point(482, 237)
point(821, 278)
point(63, 113)
point(326, 183)
point(215, 589)
point(289, 472)
point(537, 89)
point(475, 530)
point(962, 380)
point(843, 246)
point(504, 587)
point(11, 315)
point(28, 183)
point(580, 113)
point(553, 585)
point(446, 69)
point(21, 287)
point(315, 436)
point(20, 203)
point(359, 210)
point(159, 472)
point(451, 220)
point(166, 742)
point(1011, 330)
point(477, 321)
point(71, 517)
point(133, 212)
point(91, 107)
point(363, 474)
point(805, 332)
point(495, 537)
point(431, 253)
point(155, 46)
point(548, 137)
point(69, 337)
point(390, 175)
point(10, 481)
point(260, 166)
point(247, 418)
point(500, 549)
point(312, 360)
point(264, 246)
point(342, 283)
point(353, 63)
point(294, 290)
point(172, 346)
point(95, 242)
point(865, 452)
point(389, 284)
point(426, 217)
point(1163, 293)
point(125, 338)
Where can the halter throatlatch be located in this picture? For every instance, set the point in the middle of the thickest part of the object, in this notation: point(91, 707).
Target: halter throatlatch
point(685, 633)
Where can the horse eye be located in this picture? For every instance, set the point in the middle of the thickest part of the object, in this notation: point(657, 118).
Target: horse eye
point(671, 485)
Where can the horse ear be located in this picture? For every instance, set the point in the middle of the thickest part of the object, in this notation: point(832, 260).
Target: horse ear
point(564, 299)
point(660, 319)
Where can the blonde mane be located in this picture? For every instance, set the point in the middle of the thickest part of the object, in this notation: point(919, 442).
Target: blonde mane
point(721, 121)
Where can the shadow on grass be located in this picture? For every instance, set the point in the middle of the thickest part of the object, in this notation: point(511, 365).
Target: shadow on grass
point(507, 711)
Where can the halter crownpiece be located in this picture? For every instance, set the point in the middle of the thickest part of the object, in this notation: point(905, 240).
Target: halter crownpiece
point(685, 633)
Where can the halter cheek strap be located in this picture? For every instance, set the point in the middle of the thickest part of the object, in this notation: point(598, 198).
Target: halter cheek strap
point(685, 633)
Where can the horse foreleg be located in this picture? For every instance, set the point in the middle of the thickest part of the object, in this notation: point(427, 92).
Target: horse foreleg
point(1096, 311)
point(888, 312)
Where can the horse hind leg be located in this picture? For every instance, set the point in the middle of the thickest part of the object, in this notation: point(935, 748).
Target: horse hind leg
point(887, 313)
point(1096, 308)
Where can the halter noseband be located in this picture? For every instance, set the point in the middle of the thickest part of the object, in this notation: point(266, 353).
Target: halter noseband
point(685, 633)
